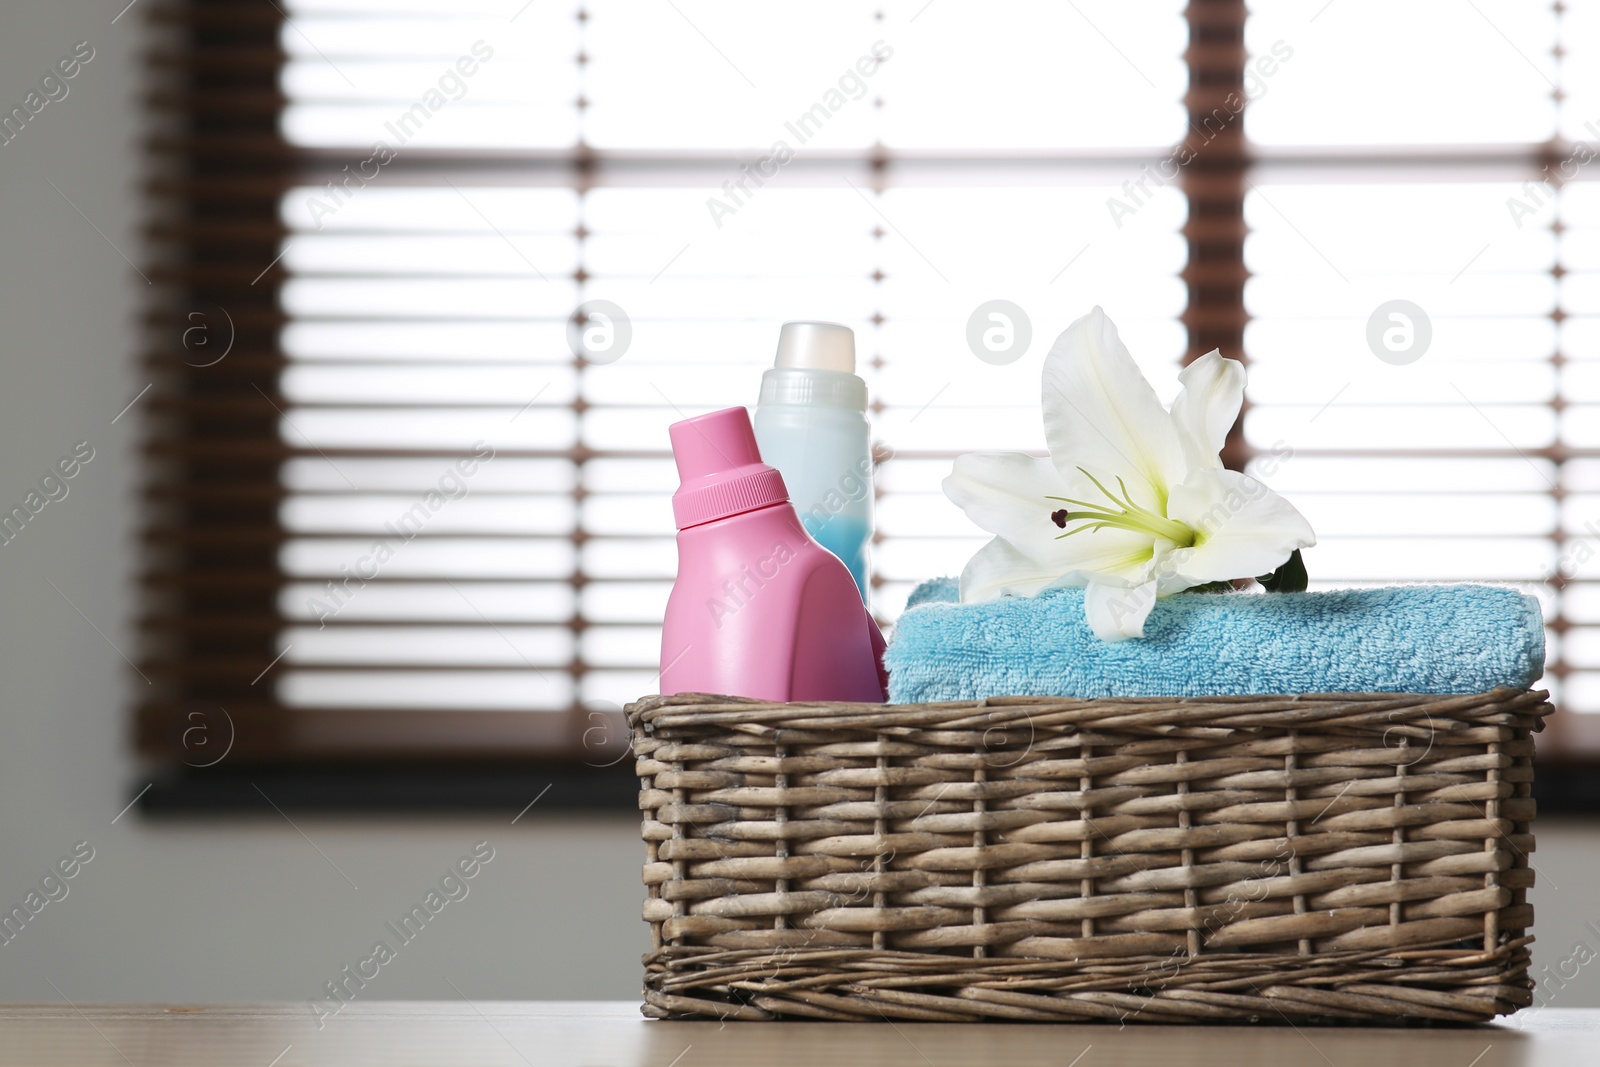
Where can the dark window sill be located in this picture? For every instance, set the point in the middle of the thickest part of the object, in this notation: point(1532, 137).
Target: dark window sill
point(1567, 788)
point(445, 789)
point(390, 789)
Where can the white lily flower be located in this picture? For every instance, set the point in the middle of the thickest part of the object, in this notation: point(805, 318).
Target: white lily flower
point(1133, 503)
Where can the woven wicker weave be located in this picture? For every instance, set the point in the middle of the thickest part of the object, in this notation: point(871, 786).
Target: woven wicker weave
point(1325, 856)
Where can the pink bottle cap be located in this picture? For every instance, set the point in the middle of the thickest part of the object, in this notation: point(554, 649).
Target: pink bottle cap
point(719, 469)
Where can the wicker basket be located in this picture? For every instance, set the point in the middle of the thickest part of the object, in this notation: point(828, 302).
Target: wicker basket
point(1313, 857)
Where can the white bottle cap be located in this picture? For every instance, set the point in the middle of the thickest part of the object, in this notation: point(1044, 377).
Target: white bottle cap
point(816, 366)
point(817, 346)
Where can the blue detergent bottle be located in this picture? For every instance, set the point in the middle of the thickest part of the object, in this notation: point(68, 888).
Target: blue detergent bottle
point(811, 424)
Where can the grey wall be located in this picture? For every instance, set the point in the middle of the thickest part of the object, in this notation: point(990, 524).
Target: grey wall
point(255, 909)
point(214, 910)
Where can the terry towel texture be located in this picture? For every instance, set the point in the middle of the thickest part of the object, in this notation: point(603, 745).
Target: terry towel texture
point(1400, 639)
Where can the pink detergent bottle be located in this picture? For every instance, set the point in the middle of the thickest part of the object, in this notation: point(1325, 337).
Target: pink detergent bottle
point(759, 608)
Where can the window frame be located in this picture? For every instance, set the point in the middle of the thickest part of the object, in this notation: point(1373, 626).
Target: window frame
point(218, 169)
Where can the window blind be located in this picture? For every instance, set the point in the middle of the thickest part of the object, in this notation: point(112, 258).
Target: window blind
point(406, 516)
point(1420, 305)
point(439, 188)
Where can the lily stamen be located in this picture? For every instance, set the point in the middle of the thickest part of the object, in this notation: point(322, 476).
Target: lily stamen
point(1125, 516)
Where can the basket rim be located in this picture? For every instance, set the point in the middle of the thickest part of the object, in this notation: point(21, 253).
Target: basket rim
point(1503, 706)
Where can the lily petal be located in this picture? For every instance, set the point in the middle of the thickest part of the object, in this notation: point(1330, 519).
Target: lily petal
point(1208, 406)
point(998, 569)
point(1117, 613)
point(1007, 494)
point(1100, 414)
point(1244, 529)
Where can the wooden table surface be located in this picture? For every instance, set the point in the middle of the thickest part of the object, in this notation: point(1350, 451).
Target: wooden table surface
point(612, 1034)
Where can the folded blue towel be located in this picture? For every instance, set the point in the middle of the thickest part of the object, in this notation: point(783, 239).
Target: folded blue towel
point(1400, 639)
